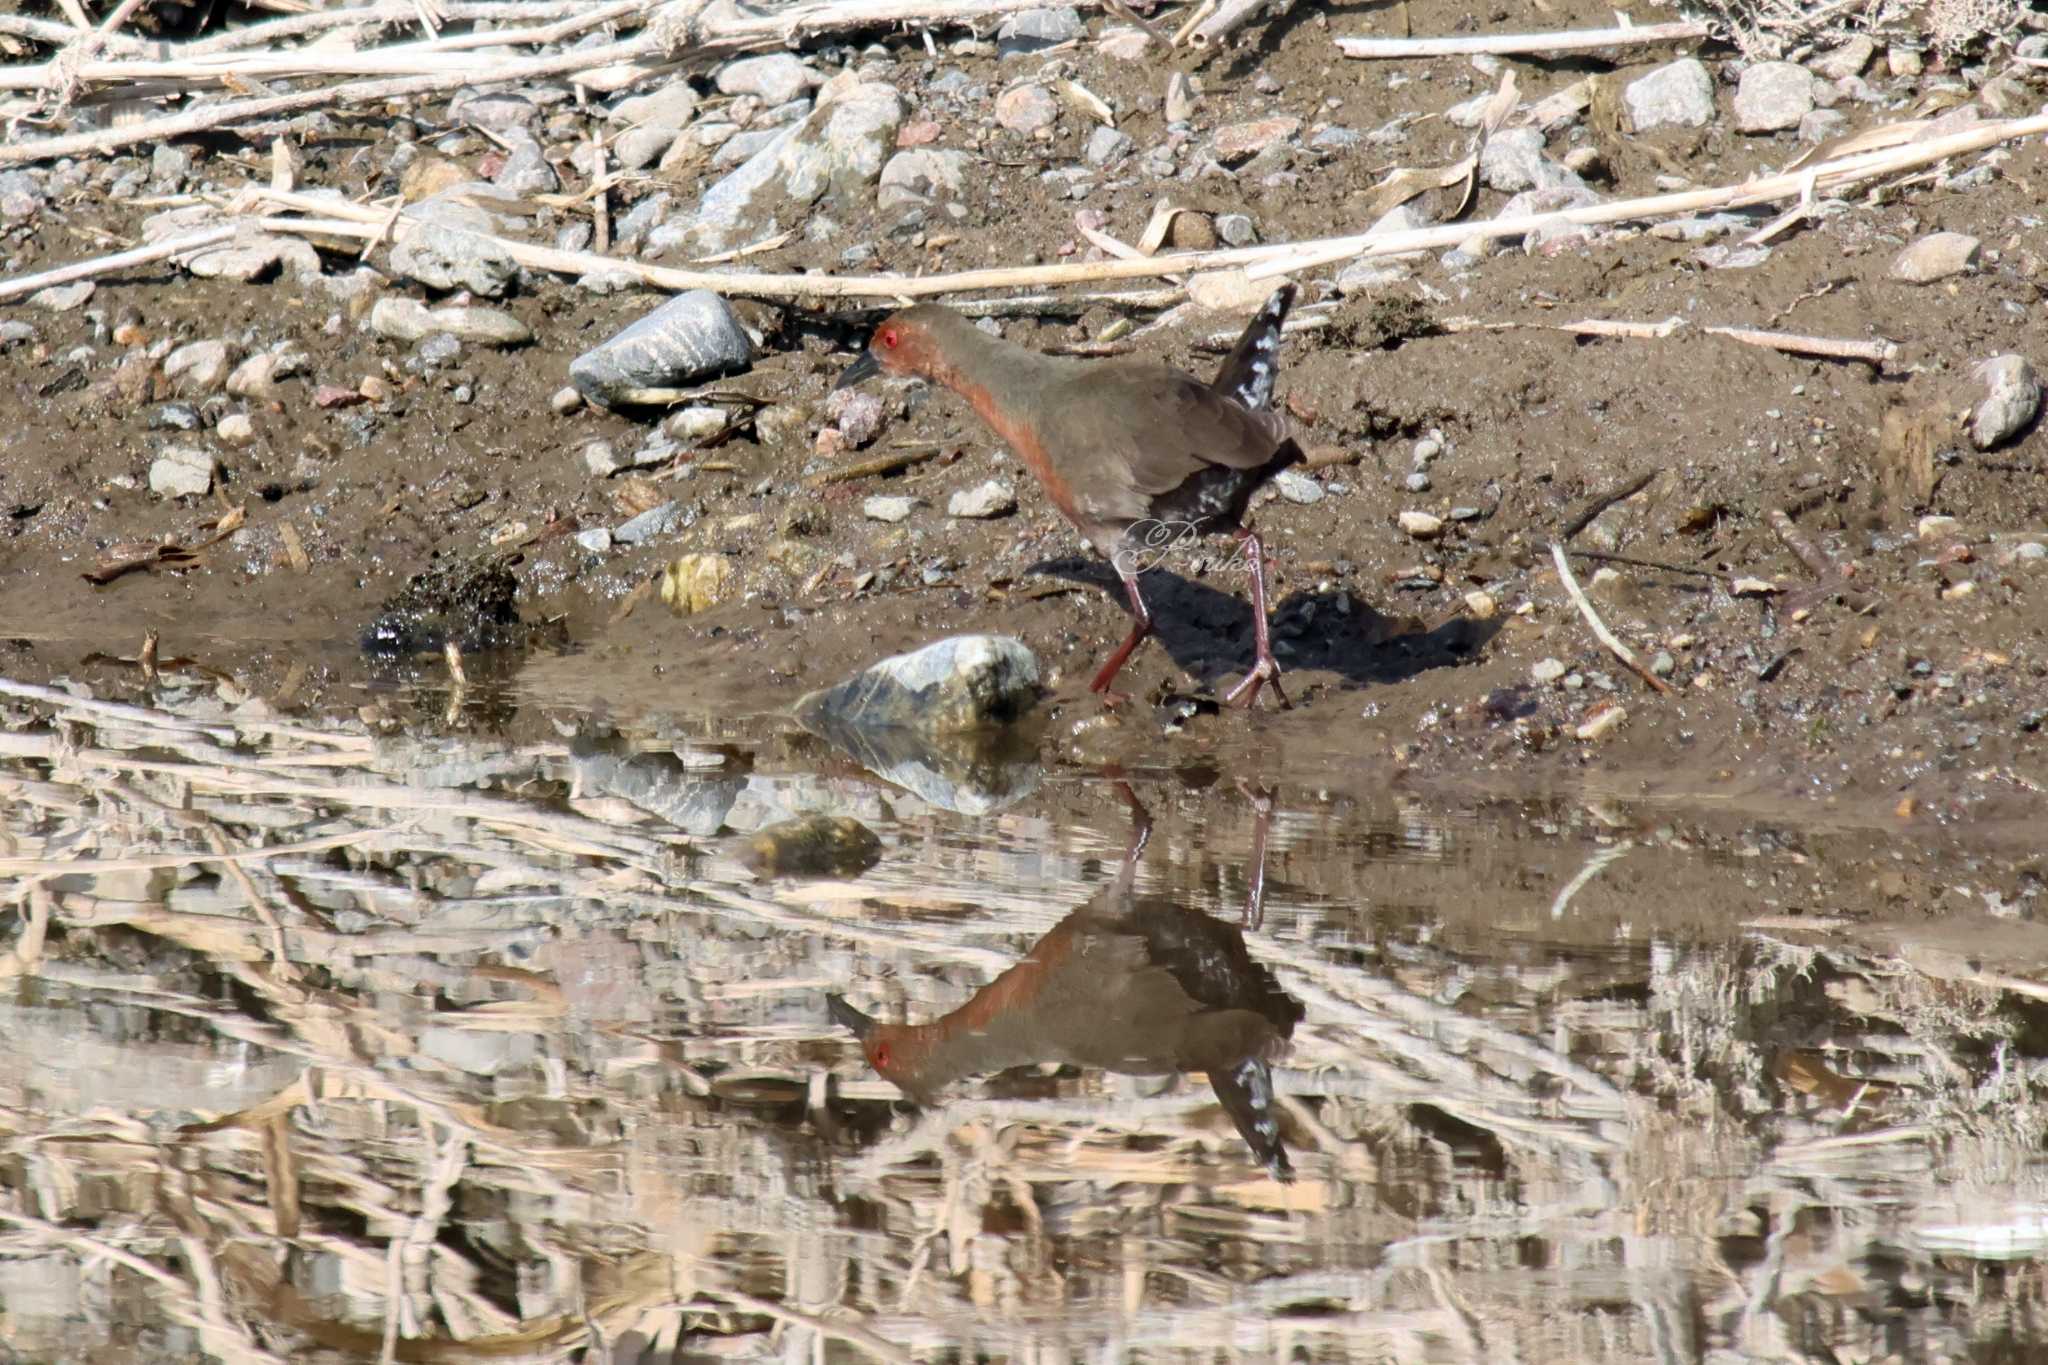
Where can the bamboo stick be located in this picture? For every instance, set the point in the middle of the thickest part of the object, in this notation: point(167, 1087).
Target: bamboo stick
point(120, 260)
point(1516, 44)
point(1259, 261)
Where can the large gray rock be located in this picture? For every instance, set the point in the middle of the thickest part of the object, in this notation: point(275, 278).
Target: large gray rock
point(1678, 94)
point(445, 249)
point(1772, 97)
point(1034, 30)
point(968, 682)
point(1936, 256)
point(2011, 401)
point(1513, 161)
point(182, 472)
point(835, 154)
point(776, 78)
point(404, 319)
point(692, 337)
point(917, 176)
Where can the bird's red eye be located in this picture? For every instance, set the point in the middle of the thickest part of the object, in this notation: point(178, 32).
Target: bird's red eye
point(881, 1055)
point(887, 338)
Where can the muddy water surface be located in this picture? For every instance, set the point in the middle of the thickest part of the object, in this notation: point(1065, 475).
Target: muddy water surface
point(446, 1047)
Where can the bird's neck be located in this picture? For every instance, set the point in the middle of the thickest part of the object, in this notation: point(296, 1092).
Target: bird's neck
point(999, 1027)
point(1005, 383)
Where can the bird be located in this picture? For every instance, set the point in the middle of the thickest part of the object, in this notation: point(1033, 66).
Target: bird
point(1137, 985)
point(1134, 453)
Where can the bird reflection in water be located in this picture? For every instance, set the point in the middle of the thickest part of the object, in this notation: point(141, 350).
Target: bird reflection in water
point(1134, 984)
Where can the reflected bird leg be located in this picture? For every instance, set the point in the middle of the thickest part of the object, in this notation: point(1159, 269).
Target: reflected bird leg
point(1262, 824)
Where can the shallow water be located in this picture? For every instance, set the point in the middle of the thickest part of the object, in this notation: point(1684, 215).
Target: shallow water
point(495, 1049)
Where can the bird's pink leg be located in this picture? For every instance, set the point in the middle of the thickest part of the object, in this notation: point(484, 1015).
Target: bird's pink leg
point(1141, 626)
point(1265, 668)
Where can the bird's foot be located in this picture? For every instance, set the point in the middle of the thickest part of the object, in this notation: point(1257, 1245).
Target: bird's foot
point(1265, 673)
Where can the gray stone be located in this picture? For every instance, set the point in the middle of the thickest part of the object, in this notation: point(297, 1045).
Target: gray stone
point(1298, 487)
point(182, 472)
point(21, 194)
point(438, 350)
point(235, 429)
point(740, 146)
point(596, 539)
point(2012, 399)
point(1034, 30)
point(836, 153)
point(404, 319)
point(499, 112)
point(1772, 97)
point(991, 499)
point(62, 298)
point(1236, 229)
point(1513, 161)
point(1335, 138)
point(447, 251)
point(857, 413)
point(199, 367)
point(672, 106)
point(655, 521)
point(1026, 109)
point(1546, 671)
point(258, 376)
point(1371, 274)
point(889, 508)
point(169, 165)
point(1936, 256)
point(527, 171)
point(14, 332)
point(968, 682)
point(774, 79)
point(692, 337)
point(914, 178)
point(1105, 145)
point(1822, 124)
point(1678, 94)
point(1552, 235)
point(637, 148)
point(1847, 60)
point(636, 224)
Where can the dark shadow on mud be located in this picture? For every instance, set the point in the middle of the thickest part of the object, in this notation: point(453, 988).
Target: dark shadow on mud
point(1207, 631)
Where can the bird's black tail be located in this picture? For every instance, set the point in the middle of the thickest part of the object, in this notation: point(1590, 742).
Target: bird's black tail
point(1247, 376)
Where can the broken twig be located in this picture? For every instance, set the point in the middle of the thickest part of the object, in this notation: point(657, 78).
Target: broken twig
point(1511, 44)
point(1600, 630)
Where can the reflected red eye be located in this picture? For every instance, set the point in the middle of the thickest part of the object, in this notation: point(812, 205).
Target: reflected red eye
point(881, 1055)
point(887, 338)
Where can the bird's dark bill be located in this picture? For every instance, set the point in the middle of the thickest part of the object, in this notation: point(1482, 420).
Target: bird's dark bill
point(863, 368)
point(847, 1016)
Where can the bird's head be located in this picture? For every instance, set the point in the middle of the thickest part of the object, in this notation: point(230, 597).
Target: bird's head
point(911, 344)
point(897, 1052)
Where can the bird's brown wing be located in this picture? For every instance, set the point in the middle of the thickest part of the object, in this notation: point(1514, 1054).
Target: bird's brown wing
point(1135, 432)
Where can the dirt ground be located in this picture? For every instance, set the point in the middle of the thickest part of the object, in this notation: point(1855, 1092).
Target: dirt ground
point(1909, 698)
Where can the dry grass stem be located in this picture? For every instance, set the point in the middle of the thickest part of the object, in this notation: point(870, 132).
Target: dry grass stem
point(23, 286)
point(1599, 627)
point(1529, 44)
point(1876, 352)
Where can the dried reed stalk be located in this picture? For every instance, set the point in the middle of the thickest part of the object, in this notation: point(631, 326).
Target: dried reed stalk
point(1516, 44)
